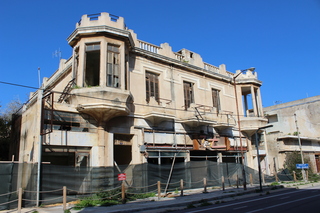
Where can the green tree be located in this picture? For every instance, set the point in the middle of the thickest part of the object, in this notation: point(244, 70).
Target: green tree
point(291, 160)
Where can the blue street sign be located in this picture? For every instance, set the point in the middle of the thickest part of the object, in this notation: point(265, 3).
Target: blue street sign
point(302, 166)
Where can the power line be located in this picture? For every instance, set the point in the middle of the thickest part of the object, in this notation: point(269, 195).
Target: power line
point(19, 85)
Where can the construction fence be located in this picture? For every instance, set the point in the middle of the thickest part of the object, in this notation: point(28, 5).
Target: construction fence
point(60, 184)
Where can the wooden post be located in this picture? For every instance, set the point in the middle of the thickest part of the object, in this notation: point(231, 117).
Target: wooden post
point(276, 175)
point(222, 182)
point(205, 185)
point(181, 187)
point(123, 192)
point(19, 200)
point(159, 190)
point(64, 199)
point(294, 176)
point(307, 174)
point(237, 182)
point(251, 179)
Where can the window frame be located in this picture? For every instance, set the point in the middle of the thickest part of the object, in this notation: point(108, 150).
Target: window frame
point(90, 50)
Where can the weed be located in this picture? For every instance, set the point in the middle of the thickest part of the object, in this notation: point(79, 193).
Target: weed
point(190, 206)
point(206, 204)
point(275, 184)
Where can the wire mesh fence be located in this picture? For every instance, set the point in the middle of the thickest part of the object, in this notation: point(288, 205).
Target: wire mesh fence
point(82, 182)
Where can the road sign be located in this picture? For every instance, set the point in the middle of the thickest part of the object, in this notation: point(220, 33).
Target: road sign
point(122, 176)
point(302, 166)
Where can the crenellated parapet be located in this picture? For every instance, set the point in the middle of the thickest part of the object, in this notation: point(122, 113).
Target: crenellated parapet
point(102, 19)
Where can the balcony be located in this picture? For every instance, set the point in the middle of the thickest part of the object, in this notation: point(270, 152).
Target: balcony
point(102, 103)
point(250, 124)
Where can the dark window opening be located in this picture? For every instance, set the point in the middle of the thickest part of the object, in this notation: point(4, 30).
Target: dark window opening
point(92, 72)
point(152, 86)
point(122, 149)
point(113, 66)
point(188, 94)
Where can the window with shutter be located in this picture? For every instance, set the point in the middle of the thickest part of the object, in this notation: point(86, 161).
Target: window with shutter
point(216, 99)
point(152, 86)
point(113, 66)
point(188, 94)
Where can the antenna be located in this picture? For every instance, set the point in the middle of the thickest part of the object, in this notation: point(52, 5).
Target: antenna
point(57, 54)
point(39, 76)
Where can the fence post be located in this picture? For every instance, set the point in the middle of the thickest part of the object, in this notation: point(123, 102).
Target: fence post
point(123, 192)
point(19, 200)
point(205, 185)
point(181, 187)
point(237, 182)
point(251, 179)
point(159, 190)
point(222, 182)
point(294, 176)
point(64, 194)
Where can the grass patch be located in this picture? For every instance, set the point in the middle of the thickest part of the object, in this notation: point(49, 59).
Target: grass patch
point(109, 198)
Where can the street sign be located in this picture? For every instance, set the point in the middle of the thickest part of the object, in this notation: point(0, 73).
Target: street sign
point(302, 166)
point(122, 176)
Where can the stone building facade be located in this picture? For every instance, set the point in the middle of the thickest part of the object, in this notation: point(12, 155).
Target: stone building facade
point(283, 136)
point(120, 100)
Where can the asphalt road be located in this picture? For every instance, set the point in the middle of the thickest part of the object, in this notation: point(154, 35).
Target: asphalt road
point(294, 201)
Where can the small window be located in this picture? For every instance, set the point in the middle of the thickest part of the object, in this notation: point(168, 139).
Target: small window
point(188, 94)
point(113, 66)
point(272, 118)
point(152, 86)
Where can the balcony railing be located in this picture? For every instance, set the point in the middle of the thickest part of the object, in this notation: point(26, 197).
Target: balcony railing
point(149, 47)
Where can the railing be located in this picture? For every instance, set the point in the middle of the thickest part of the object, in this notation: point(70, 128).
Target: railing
point(179, 56)
point(210, 67)
point(149, 47)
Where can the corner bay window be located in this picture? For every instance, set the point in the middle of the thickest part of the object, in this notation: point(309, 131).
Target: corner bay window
point(113, 58)
point(188, 94)
point(152, 86)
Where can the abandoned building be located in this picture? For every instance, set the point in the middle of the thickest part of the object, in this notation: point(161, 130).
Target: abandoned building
point(120, 100)
point(293, 121)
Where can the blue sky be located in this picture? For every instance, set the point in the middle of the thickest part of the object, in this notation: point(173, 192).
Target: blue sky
point(280, 38)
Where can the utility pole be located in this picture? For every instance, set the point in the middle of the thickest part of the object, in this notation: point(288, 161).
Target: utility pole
point(302, 160)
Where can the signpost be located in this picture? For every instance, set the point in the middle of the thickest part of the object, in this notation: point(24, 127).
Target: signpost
point(302, 166)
